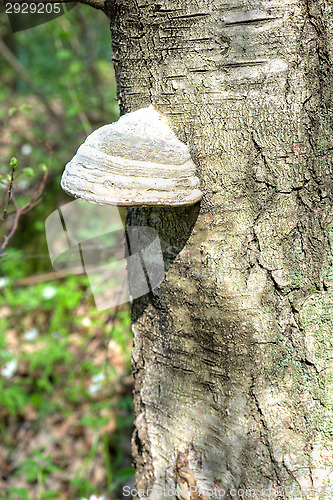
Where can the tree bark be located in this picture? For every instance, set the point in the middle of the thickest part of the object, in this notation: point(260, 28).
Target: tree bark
point(233, 351)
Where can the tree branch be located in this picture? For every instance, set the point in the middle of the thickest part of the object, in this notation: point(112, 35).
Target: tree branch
point(9, 195)
point(97, 4)
point(19, 211)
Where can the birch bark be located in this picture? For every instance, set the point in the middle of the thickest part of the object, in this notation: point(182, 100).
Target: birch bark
point(233, 352)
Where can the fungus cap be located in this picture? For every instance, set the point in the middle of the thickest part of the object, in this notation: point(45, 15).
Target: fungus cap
point(136, 161)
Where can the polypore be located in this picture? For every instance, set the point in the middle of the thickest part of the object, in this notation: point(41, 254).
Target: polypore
point(136, 161)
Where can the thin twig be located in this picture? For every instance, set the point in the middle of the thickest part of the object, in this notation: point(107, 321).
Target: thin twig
point(25, 208)
point(12, 232)
point(41, 278)
point(82, 115)
point(10, 192)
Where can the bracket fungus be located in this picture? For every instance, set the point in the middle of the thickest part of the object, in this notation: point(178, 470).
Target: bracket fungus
point(136, 161)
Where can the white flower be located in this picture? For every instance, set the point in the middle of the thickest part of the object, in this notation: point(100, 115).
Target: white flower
point(3, 281)
point(49, 292)
point(93, 388)
point(99, 377)
point(31, 334)
point(26, 149)
point(96, 384)
point(93, 497)
point(9, 369)
point(86, 322)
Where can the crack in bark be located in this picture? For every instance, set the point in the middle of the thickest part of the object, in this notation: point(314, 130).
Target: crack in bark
point(266, 439)
point(254, 22)
point(265, 432)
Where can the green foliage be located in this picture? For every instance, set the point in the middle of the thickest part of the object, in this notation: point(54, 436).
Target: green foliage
point(76, 47)
point(23, 494)
point(17, 494)
point(14, 266)
point(70, 47)
point(14, 110)
point(117, 331)
point(49, 370)
point(37, 468)
point(54, 380)
point(82, 487)
point(13, 398)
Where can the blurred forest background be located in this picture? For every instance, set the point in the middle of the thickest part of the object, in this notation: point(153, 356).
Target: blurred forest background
point(65, 384)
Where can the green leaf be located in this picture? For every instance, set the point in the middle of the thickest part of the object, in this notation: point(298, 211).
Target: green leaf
point(28, 172)
point(13, 398)
point(75, 67)
point(25, 107)
point(39, 226)
point(19, 494)
point(94, 422)
point(12, 111)
point(50, 495)
point(64, 54)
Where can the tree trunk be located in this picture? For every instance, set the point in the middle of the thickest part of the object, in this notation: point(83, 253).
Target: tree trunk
point(233, 351)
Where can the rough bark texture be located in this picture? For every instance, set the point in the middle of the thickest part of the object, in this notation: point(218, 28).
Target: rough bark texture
point(233, 352)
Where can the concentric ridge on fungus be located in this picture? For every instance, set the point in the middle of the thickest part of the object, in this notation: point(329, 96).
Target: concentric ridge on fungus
point(136, 161)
